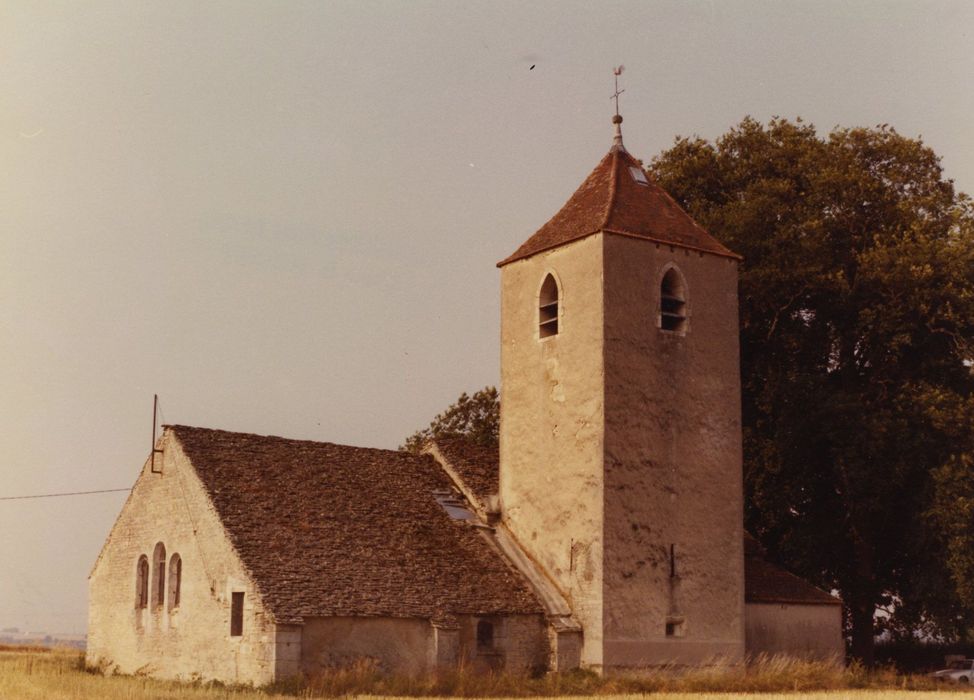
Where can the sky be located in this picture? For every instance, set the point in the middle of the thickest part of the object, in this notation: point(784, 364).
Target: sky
point(284, 217)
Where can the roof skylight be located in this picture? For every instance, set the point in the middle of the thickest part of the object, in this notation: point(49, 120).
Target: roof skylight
point(638, 175)
point(454, 504)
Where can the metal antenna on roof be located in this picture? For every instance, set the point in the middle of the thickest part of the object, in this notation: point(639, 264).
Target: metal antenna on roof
point(155, 410)
point(617, 119)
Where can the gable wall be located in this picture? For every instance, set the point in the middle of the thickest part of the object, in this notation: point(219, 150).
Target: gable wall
point(192, 641)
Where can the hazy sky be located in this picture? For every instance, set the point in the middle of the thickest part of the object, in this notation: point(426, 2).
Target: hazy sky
point(284, 217)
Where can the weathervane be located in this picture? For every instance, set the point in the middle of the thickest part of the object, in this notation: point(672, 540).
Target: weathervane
point(615, 96)
point(617, 119)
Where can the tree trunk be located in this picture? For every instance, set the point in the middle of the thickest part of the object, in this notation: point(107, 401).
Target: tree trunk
point(863, 632)
point(862, 603)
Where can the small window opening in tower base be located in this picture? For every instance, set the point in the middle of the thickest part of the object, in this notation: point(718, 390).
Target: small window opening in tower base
point(675, 627)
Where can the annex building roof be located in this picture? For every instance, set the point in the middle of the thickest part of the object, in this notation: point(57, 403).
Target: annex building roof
point(766, 583)
point(333, 530)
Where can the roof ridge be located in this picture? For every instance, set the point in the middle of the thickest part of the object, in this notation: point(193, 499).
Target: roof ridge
point(613, 188)
point(176, 427)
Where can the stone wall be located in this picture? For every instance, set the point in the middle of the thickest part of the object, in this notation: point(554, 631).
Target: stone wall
point(672, 461)
point(520, 644)
point(410, 646)
point(551, 426)
point(389, 644)
point(804, 631)
point(192, 640)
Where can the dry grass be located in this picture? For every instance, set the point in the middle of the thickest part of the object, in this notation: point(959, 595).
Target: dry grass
point(764, 675)
point(60, 675)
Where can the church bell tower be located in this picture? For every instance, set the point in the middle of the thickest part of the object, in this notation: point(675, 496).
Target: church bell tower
point(620, 439)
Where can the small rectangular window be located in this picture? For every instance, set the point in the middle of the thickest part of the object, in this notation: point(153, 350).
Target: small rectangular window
point(485, 636)
point(236, 615)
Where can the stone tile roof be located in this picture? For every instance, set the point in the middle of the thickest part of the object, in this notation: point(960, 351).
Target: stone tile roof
point(329, 529)
point(612, 200)
point(766, 583)
point(476, 464)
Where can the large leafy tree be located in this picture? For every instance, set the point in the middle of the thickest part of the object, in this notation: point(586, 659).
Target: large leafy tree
point(857, 305)
point(476, 418)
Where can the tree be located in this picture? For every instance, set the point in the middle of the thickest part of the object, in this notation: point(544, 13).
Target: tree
point(476, 418)
point(857, 305)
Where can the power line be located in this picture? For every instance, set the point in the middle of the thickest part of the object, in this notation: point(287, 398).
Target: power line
point(54, 495)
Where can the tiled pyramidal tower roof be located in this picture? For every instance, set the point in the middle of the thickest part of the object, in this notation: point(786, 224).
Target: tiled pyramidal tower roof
point(619, 197)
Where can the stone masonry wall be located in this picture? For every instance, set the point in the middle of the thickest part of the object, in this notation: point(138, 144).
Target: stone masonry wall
point(552, 426)
point(520, 644)
point(193, 640)
point(672, 461)
point(390, 644)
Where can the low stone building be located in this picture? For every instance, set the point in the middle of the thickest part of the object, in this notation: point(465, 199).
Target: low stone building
point(786, 615)
point(606, 531)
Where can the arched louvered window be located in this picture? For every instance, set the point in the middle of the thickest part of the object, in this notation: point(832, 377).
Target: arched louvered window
point(673, 302)
point(175, 580)
point(142, 582)
point(548, 307)
point(159, 575)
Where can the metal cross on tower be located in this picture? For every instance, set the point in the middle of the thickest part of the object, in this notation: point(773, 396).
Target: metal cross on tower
point(615, 96)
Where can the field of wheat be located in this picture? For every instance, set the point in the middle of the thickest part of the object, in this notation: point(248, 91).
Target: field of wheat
point(60, 675)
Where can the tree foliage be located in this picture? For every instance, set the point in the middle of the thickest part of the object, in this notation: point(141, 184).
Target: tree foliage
point(476, 418)
point(857, 305)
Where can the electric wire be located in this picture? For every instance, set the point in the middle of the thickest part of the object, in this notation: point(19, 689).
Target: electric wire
point(76, 493)
point(57, 495)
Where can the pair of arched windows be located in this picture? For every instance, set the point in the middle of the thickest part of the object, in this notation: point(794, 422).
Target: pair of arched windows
point(672, 304)
point(154, 588)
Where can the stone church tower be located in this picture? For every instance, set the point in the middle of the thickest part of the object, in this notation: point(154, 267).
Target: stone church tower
point(620, 442)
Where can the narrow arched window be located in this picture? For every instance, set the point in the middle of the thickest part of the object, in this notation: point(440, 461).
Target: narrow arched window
point(673, 302)
point(159, 575)
point(548, 307)
point(485, 635)
point(175, 580)
point(142, 582)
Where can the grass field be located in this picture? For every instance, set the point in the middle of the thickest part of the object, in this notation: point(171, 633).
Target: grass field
point(60, 675)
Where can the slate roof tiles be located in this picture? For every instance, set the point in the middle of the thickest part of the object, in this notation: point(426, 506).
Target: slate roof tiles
point(476, 464)
point(330, 530)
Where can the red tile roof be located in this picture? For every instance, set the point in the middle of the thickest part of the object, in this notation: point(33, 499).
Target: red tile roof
point(766, 583)
point(328, 529)
point(612, 200)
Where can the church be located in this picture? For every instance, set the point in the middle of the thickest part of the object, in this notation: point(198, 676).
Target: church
point(606, 532)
